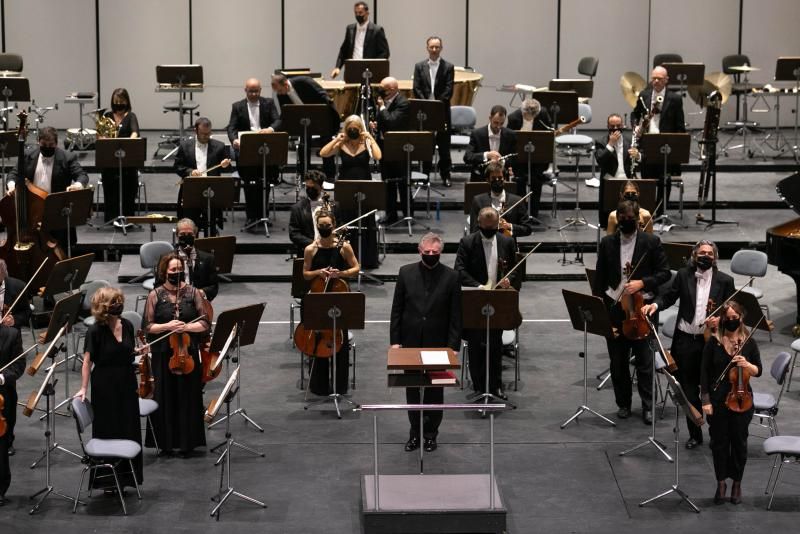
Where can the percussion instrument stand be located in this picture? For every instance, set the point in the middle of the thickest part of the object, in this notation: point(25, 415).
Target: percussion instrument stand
point(181, 130)
point(578, 219)
point(265, 186)
point(781, 142)
point(675, 488)
point(81, 140)
point(225, 492)
point(40, 112)
point(49, 434)
point(743, 126)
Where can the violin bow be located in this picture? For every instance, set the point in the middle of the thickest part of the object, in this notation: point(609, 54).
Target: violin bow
point(628, 278)
point(520, 262)
point(348, 223)
point(164, 336)
point(24, 290)
point(729, 298)
point(728, 367)
point(515, 204)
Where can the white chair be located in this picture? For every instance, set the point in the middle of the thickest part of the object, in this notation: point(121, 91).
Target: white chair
point(766, 404)
point(462, 121)
point(88, 290)
point(146, 408)
point(796, 348)
point(752, 263)
point(134, 318)
point(788, 447)
point(149, 255)
point(575, 146)
point(103, 453)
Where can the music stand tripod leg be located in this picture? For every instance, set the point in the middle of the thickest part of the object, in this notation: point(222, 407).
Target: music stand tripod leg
point(486, 396)
point(264, 150)
point(409, 219)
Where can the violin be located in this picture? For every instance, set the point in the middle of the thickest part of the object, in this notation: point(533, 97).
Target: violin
point(3, 422)
point(634, 326)
point(181, 362)
point(739, 398)
point(709, 331)
point(208, 358)
point(146, 378)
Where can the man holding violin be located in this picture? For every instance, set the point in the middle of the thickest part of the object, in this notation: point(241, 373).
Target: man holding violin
point(701, 288)
point(515, 222)
point(631, 265)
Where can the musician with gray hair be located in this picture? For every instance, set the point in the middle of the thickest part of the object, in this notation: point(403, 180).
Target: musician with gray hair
point(701, 288)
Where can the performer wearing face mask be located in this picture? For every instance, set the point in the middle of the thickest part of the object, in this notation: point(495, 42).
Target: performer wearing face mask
point(362, 40)
point(127, 125)
point(199, 268)
point(302, 230)
point(328, 258)
point(108, 356)
point(629, 191)
point(516, 221)
point(629, 261)
point(701, 287)
point(170, 308)
point(426, 313)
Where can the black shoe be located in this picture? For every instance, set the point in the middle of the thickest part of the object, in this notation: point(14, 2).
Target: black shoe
point(3, 500)
point(446, 181)
point(430, 444)
point(692, 443)
point(719, 496)
point(11, 450)
point(412, 444)
point(736, 493)
point(623, 413)
point(647, 416)
point(500, 394)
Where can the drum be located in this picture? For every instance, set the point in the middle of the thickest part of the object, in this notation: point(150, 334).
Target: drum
point(464, 88)
point(344, 95)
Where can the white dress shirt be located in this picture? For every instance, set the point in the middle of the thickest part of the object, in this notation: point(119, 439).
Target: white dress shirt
point(490, 252)
point(619, 149)
point(316, 205)
point(358, 43)
point(697, 327)
point(527, 125)
point(201, 156)
point(626, 248)
point(497, 200)
point(655, 122)
point(254, 110)
point(494, 140)
point(433, 68)
point(43, 175)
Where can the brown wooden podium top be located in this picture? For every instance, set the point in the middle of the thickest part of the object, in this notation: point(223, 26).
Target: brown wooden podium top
point(410, 359)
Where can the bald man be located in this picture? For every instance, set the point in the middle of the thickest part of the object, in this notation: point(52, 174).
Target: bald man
point(254, 113)
point(392, 117)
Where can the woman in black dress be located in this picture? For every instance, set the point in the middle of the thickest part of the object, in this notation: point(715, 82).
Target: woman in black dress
point(325, 258)
point(178, 423)
point(356, 147)
point(126, 125)
point(728, 429)
point(110, 348)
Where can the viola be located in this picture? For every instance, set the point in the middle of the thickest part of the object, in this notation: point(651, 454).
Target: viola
point(3, 422)
point(634, 326)
point(181, 362)
point(739, 398)
point(146, 378)
point(709, 331)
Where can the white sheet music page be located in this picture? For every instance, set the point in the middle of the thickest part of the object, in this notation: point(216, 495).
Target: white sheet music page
point(434, 357)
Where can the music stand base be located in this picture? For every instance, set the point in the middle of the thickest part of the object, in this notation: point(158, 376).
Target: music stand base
point(486, 398)
point(120, 221)
point(239, 411)
point(650, 441)
point(712, 222)
point(47, 491)
point(234, 444)
point(371, 278)
point(263, 220)
point(335, 398)
point(410, 221)
point(585, 409)
point(664, 223)
point(55, 447)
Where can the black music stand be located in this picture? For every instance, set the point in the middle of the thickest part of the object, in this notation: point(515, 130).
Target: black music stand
point(118, 153)
point(397, 148)
point(66, 210)
point(538, 147)
point(246, 320)
point(67, 275)
point(9, 148)
point(496, 309)
point(678, 254)
point(674, 149)
point(179, 76)
point(612, 188)
point(208, 193)
point(366, 72)
point(223, 249)
point(471, 189)
point(684, 75)
point(431, 116)
point(13, 89)
point(361, 196)
point(582, 87)
point(263, 150)
point(787, 69)
point(342, 311)
point(589, 315)
point(304, 121)
point(563, 109)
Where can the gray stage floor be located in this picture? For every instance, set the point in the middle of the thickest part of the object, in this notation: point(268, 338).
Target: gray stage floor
point(553, 480)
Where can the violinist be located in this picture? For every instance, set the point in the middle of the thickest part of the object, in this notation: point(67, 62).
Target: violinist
point(10, 348)
point(697, 285)
point(516, 222)
point(176, 308)
point(329, 257)
point(728, 428)
point(302, 229)
point(633, 263)
point(108, 359)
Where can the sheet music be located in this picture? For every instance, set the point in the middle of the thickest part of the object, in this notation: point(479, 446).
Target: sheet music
point(434, 357)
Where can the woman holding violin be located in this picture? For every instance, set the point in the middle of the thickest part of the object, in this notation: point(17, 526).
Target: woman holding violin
point(108, 356)
point(326, 262)
point(174, 322)
point(730, 359)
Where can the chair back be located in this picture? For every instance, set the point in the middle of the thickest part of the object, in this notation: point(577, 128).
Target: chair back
point(150, 253)
point(88, 290)
point(134, 318)
point(749, 263)
point(660, 59)
point(588, 66)
point(734, 60)
point(83, 414)
point(11, 62)
point(463, 118)
point(585, 111)
point(668, 328)
point(780, 367)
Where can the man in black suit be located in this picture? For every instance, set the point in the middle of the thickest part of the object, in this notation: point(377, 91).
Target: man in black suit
point(200, 269)
point(252, 114)
point(517, 220)
point(362, 40)
point(305, 90)
point(614, 156)
point(480, 258)
point(302, 230)
point(530, 117)
point(392, 117)
point(701, 288)
point(19, 317)
point(489, 142)
point(433, 80)
point(629, 261)
point(426, 313)
point(667, 118)
point(10, 348)
point(193, 158)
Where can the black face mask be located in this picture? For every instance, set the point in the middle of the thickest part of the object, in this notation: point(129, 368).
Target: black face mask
point(47, 151)
point(612, 130)
point(488, 233)
point(704, 263)
point(633, 197)
point(731, 325)
point(118, 107)
point(175, 278)
point(361, 19)
point(312, 193)
point(431, 260)
point(325, 231)
point(627, 226)
point(496, 186)
point(381, 92)
point(115, 309)
point(185, 240)
point(353, 133)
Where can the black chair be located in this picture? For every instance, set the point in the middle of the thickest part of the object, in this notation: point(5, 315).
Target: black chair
point(735, 60)
point(11, 62)
point(660, 59)
point(588, 66)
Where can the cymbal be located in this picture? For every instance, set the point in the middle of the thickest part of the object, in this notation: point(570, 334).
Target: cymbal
point(744, 68)
point(714, 81)
point(631, 84)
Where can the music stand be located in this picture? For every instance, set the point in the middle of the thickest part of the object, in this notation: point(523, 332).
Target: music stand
point(9, 148)
point(13, 89)
point(472, 189)
point(678, 396)
point(708, 171)
point(684, 75)
point(496, 309)
point(589, 315)
point(342, 311)
point(66, 210)
point(431, 116)
point(304, 121)
point(179, 76)
point(611, 193)
point(787, 69)
point(354, 70)
point(397, 148)
point(538, 147)
point(208, 193)
point(674, 147)
point(118, 153)
point(246, 319)
point(678, 254)
point(582, 87)
point(223, 249)
point(263, 149)
point(563, 108)
point(361, 196)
